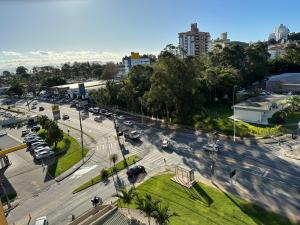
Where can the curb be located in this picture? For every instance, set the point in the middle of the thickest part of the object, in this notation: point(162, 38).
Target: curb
point(76, 167)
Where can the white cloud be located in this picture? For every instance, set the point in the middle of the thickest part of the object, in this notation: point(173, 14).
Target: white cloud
point(11, 53)
point(10, 60)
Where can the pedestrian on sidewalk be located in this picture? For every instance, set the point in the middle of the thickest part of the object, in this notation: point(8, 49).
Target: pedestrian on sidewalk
point(68, 132)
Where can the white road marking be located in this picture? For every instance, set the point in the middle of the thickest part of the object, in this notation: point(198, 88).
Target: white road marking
point(82, 171)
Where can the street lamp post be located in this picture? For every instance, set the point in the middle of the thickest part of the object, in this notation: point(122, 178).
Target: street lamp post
point(233, 94)
point(142, 110)
point(81, 135)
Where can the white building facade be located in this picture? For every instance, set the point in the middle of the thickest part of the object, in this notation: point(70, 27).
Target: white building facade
point(260, 109)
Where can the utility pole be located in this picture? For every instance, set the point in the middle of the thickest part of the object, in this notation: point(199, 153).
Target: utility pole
point(142, 110)
point(81, 134)
point(213, 156)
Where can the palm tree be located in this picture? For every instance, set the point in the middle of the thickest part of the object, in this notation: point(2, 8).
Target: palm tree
point(114, 158)
point(162, 215)
point(126, 196)
point(147, 205)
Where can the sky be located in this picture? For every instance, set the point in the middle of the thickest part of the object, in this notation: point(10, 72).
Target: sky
point(51, 32)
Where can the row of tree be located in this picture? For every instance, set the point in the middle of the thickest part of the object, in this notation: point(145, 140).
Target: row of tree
point(152, 208)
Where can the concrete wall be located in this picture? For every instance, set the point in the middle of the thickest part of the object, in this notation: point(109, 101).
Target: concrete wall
point(248, 116)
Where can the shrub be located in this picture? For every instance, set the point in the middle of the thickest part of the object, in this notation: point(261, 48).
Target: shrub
point(104, 174)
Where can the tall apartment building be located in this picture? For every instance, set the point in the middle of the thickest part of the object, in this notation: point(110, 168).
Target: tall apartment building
point(194, 42)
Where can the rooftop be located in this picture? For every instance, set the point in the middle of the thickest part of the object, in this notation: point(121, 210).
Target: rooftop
point(291, 78)
point(88, 84)
point(260, 102)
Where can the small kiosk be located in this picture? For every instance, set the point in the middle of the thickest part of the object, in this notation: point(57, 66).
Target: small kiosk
point(184, 176)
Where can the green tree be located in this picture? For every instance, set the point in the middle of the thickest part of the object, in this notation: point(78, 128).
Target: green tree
point(126, 196)
point(16, 88)
point(147, 205)
point(114, 158)
point(54, 134)
point(53, 81)
point(43, 121)
point(162, 215)
point(110, 71)
point(21, 71)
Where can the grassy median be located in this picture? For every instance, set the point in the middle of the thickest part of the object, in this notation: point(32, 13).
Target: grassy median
point(205, 205)
point(70, 154)
point(119, 166)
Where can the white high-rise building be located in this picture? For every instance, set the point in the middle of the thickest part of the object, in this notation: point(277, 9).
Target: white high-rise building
point(194, 42)
point(280, 33)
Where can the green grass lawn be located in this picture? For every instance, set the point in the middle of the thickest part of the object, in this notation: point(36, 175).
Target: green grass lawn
point(217, 119)
point(205, 205)
point(119, 166)
point(72, 155)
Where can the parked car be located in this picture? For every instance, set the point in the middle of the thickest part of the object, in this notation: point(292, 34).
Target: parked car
point(128, 123)
point(41, 221)
point(33, 107)
point(99, 118)
point(31, 140)
point(41, 108)
point(35, 145)
point(108, 114)
point(25, 132)
point(41, 149)
point(136, 170)
point(165, 143)
point(103, 111)
point(65, 117)
point(35, 128)
point(44, 154)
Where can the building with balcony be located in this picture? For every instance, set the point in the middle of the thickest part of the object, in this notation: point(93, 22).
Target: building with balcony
point(194, 42)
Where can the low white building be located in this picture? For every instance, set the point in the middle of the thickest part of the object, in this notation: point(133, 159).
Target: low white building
point(259, 109)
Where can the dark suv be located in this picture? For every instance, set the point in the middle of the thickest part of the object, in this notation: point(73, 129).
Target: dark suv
point(135, 171)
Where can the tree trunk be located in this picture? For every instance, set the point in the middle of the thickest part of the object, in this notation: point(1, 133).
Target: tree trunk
point(55, 145)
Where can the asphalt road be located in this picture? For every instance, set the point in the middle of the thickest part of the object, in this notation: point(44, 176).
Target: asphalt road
point(262, 175)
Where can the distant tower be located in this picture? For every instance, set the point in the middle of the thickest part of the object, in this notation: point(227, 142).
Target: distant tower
point(280, 33)
point(194, 42)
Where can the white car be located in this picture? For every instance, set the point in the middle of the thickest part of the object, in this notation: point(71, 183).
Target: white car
point(37, 144)
point(31, 139)
point(44, 154)
point(165, 143)
point(121, 117)
point(212, 147)
point(134, 134)
point(41, 221)
point(41, 149)
point(128, 123)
